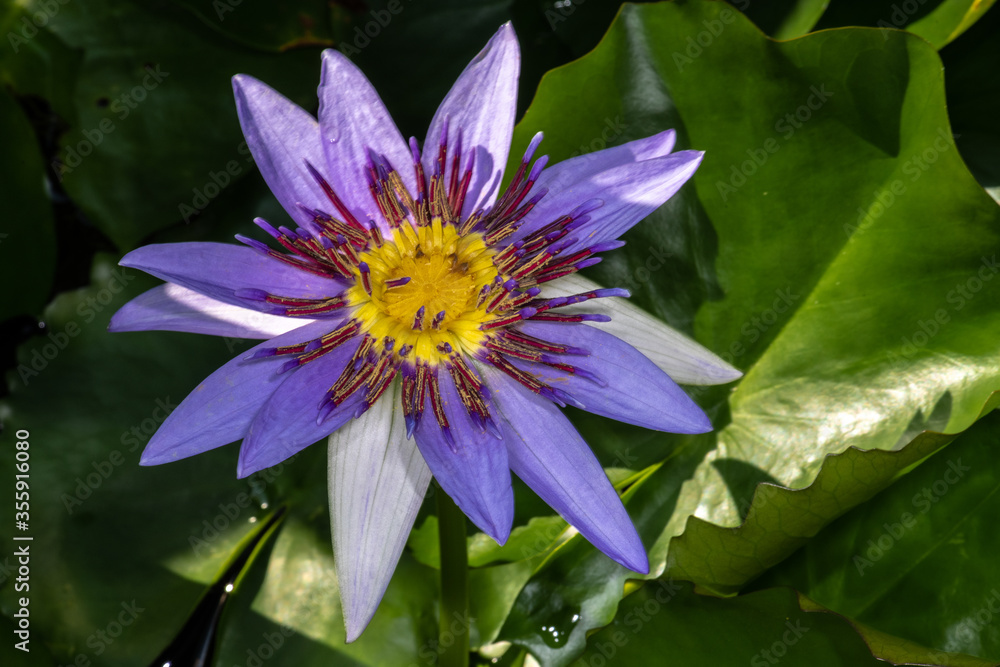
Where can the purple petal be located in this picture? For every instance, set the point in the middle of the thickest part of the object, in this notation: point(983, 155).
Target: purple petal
point(281, 137)
point(475, 473)
point(637, 392)
point(547, 453)
point(170, 307)
point(629, 193)
point(218, 270)
point(570, 172)
point(377, 481)
point(684, 360)
point(286, 424)
point(481, 104)
point(353, 120)
point(221, 408)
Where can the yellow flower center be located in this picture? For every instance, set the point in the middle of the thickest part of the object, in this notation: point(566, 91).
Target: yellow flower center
point(446, 272)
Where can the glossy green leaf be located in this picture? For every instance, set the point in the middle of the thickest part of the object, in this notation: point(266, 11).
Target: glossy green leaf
point(155, 138)
point(824, 156)
point(926, 543)
point(763, 628)
point(780, 520)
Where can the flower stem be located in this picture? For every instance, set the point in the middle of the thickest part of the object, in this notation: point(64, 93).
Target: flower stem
point(454, 628)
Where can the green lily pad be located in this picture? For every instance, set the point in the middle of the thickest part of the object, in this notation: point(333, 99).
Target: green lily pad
point(155, 115)
point(763, 628)
point(779, 520)
point(926, 543)
point(853, 329)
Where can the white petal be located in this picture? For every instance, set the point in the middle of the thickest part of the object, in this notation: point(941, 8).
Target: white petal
point(377, 481)
point(170, 307)
point(684, 360)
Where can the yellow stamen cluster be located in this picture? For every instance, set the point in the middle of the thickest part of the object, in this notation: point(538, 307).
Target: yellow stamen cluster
point(447, 273)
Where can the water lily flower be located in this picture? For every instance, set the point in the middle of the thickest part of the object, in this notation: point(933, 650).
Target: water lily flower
point(429, 321)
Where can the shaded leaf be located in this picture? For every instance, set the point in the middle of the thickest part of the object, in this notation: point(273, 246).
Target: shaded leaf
point(89, 498)
point(926, 543)
point(762, 628)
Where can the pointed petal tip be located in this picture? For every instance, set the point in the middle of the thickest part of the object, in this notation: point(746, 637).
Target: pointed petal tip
point(693, 424)
point(246, 465)
point(726, 374)
point(246, 468)
point(628, 551)
point(241, 84)
point(356, 621)
point(499, 536)
point(151, 458)
point(636, 562)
